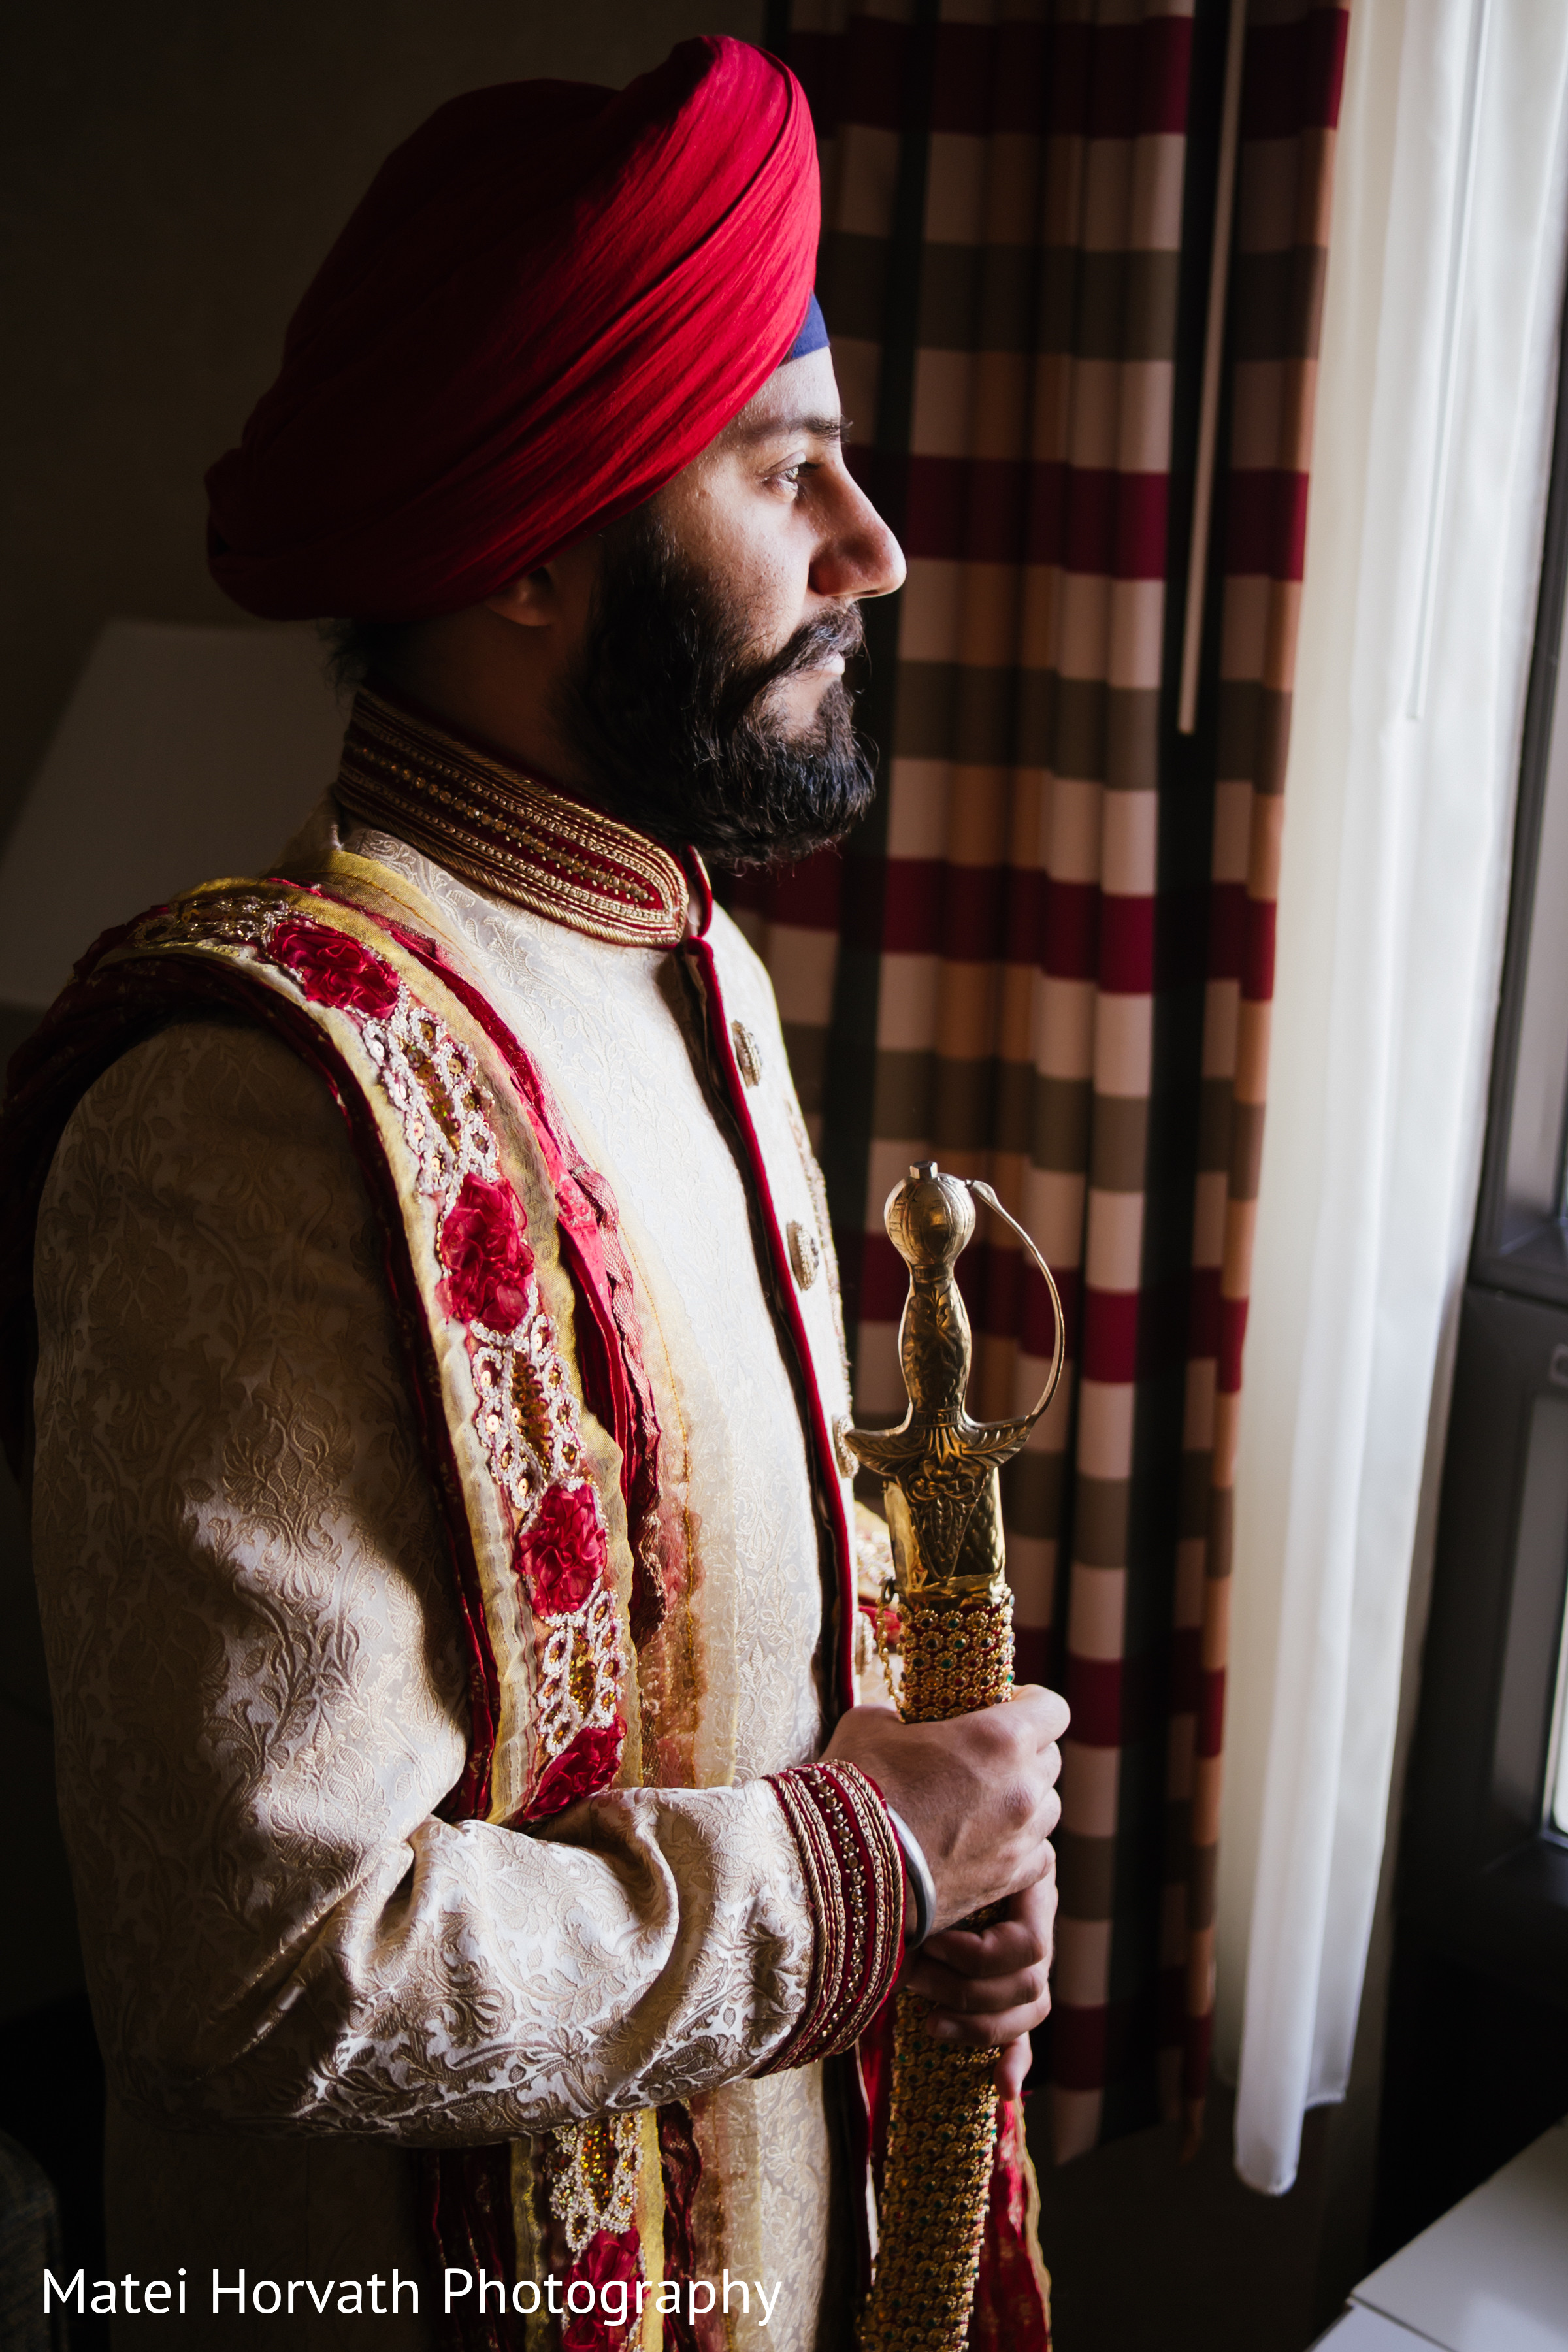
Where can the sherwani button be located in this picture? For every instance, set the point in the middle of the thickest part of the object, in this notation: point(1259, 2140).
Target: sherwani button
point(805, 1253)
point(748, 1054)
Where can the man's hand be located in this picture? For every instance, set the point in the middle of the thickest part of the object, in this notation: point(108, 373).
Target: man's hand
point(979, 1792)
point(990, 1988)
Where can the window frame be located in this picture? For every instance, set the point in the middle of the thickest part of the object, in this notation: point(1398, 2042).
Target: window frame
point(1484, 1884)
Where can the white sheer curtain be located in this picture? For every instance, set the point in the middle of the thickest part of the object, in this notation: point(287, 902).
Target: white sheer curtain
point(1429, 464)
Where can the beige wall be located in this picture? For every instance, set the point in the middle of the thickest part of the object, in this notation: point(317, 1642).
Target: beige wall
point(173, 170)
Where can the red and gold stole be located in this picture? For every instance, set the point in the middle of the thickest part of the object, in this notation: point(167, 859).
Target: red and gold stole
point(514, 1302)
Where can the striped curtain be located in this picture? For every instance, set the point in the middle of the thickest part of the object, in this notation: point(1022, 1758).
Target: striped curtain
point(1046, 959)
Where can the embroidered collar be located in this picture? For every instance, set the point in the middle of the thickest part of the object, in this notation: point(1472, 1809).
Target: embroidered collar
point(506, 833)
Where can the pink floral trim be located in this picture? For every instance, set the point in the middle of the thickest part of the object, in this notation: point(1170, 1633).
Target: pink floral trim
point(525, 1417)
point(562, 1555)
point(334, 970)
point(487, 1260)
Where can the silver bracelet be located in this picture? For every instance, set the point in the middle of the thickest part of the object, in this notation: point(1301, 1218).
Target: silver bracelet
point(923, 1887)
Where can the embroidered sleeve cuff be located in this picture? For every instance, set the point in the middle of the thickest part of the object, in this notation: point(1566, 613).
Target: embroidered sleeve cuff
point(854, 1885)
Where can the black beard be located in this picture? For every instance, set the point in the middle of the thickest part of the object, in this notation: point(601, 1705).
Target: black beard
point(667, 714)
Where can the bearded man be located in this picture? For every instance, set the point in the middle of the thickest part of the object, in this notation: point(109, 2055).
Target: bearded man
point(486, 1871)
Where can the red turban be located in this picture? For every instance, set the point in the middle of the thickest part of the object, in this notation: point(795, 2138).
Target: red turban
point(551, 298)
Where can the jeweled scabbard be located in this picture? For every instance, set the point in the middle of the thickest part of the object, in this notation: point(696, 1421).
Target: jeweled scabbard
point(939, 1472)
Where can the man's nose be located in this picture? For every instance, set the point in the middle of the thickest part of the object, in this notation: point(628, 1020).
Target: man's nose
point(859, 557)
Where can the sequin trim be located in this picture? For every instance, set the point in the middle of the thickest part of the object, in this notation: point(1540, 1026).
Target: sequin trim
point(594, 2178)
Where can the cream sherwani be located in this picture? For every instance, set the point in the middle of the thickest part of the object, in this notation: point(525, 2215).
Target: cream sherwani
point(300, 1973)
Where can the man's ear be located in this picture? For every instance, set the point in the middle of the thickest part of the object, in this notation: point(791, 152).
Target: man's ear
point(533, 601)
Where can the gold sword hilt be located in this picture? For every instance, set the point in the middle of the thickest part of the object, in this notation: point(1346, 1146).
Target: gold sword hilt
point(938, 1468)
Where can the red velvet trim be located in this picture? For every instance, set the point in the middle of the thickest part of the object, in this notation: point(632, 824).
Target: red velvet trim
point(333, 968)
point(487, 1260)
point(681, 2167)
point(564, 1554)
point(721, 1045)
point(700, 955)
point(605, 2256)
point(874, 2055)
point(583, 1766)
point(857, 2123)
point(468, 2214)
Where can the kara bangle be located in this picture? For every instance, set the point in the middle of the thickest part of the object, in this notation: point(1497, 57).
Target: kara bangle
point(923, 1887)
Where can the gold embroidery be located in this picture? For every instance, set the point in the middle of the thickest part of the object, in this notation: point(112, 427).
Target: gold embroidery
point(580, 1677)
point(507, 832)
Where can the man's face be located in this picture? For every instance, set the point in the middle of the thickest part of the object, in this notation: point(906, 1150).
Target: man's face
point(706, 699)
point(772, 517)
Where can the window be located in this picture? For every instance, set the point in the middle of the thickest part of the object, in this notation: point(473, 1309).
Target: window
point(1484, 1861)
point(1522, 1227)
point(1522, 1237)
point(1476, 2055)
